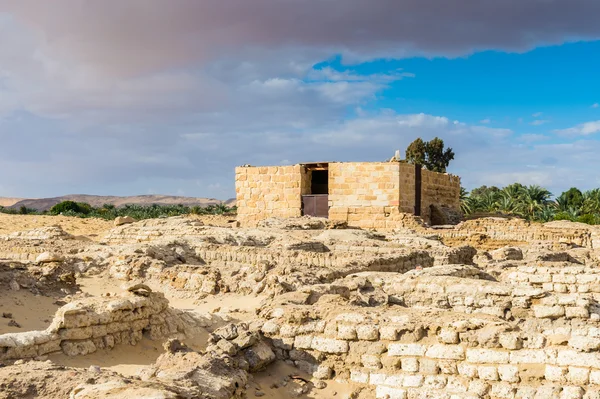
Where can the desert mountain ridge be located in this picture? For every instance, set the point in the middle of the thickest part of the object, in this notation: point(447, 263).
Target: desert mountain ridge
point(43, 204)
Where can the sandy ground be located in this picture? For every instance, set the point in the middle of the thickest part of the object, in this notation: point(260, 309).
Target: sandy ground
point(91, 228)
point(31, 312)
point(269, 382)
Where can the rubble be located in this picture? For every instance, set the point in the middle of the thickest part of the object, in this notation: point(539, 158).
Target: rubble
point(490, 308)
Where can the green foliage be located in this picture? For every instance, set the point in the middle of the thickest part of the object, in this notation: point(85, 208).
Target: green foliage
point(573, 197)
point(588, 219)
point(138, 212)
point(72, 207)
point(533, 203)
point(415, 152)
point(563, 216)
point(430, 154)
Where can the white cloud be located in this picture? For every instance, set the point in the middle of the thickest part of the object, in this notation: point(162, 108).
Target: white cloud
point(596, 105)
point(584, 129)
point(485, 121)
point(539, 122)
point(537, 114)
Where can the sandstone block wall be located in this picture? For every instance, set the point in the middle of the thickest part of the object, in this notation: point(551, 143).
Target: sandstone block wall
point(84, 326)
point(364, 194)
point(264, 192)
point(438, 189)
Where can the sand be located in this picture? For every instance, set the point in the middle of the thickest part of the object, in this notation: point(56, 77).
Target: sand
point(31, 312)
point(91, 228)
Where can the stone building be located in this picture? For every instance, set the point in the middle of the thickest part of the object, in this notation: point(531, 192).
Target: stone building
point(364, 194)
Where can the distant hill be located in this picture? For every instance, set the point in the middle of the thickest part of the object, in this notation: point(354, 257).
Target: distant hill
point(43, 204)
point(6, 201)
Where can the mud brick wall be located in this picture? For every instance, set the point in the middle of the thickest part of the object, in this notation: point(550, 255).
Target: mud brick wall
point(264, 192)
point(85, 326)
point(406, 356)
point(438, 189)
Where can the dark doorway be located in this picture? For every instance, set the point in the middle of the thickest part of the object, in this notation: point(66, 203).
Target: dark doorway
point(319, 183)
point(316, 203)
point(418, 169)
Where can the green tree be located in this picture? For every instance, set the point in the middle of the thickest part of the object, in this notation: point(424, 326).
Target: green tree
point(430, 154)
point(415, 152)
point(437, 158)
point(572, 198)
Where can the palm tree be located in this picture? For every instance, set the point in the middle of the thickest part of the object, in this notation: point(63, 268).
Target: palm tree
point(591, 201)
point(535, 198)
point(546, 214)
point(561, 203)
point(514, 191)
point(508, 205)
point(487, 202)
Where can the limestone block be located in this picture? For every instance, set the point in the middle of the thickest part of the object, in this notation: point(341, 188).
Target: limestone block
point(359, 376)
point(439, 351)
point(526, 356)
point(371, 362)
point(383, 392)
point(428, 367)
point(467, 370)
point(508, 373)
point(449, 336)
point(76, 348)
point(488, 373)
point(510, 341)
point(328, 345)
point(410, 364)
point(555, 373)
point(595, 377)
point(377, 378)
point(583, 343)
point(578, 375)
point(397, 349)
point(503, 390)
point(475, 355)
point(572, 392)
point(413, 381)
point(367, 332)
point(303, 341)
point(435, 382)
point(347, 332)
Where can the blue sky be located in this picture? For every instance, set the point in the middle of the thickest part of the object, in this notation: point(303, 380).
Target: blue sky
point(141, 97)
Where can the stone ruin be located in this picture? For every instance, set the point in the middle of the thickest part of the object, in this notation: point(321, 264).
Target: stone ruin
point(491, 308)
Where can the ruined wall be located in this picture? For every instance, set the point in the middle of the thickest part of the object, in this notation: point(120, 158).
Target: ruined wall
point(85, 326)
point(438, 189)
point(522, 231)
point(263, 192)
point(410, 353)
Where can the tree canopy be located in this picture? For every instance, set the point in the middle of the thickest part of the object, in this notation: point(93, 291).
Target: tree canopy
point(430, 154)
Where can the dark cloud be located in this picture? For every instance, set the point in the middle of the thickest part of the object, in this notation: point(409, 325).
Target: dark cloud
point(139, 36)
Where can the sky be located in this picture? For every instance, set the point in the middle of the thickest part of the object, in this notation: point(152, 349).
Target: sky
point(137, 97)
